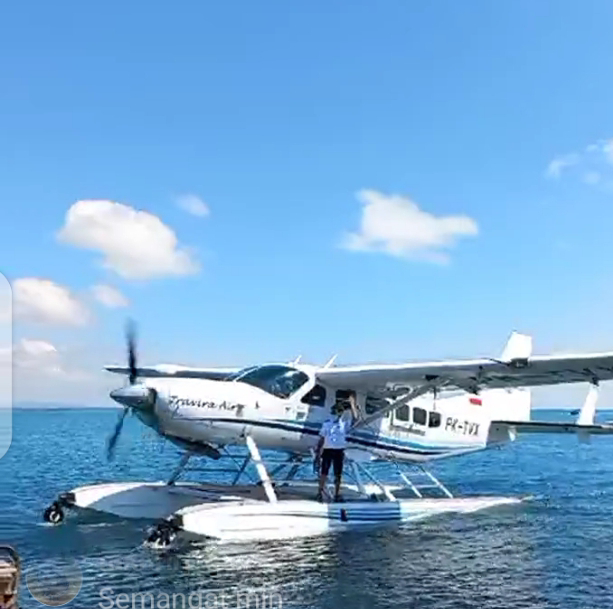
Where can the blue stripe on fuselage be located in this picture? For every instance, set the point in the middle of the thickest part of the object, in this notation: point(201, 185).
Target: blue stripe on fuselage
point(364, 439)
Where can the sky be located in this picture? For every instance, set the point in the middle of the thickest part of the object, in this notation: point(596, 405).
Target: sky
point(256, 181)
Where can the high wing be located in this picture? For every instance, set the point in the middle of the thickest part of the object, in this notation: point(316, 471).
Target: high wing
point(174, 371)
point(402, 383)
point(473, 375)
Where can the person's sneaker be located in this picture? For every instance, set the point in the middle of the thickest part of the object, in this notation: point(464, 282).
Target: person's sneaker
point(339, 499)
point(319, 498)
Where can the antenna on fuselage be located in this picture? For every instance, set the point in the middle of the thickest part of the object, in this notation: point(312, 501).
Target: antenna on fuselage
point(297, 360)
point(330, 361)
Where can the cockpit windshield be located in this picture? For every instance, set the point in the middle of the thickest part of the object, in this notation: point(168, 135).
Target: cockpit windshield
point(280, 381)
point(236, 375)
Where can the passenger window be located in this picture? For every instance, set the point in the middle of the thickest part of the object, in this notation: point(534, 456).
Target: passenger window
point(420, 416)
point(315, 397)
point(402, 413)
point(435, 419)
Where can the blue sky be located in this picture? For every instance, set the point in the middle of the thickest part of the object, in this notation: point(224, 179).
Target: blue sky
point(277, 116)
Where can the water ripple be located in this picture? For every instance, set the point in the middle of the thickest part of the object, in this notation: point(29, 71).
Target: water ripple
point(552, 552)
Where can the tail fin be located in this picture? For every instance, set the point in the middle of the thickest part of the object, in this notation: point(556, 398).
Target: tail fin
point(519, 346)
point(512, 404)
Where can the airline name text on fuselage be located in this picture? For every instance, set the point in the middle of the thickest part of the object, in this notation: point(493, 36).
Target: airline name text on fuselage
point(178, 402)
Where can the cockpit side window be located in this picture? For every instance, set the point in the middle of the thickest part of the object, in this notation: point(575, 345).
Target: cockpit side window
point(315, 397)
point(280, 381)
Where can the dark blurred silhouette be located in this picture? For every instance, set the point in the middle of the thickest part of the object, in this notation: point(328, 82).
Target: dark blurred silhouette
point(10, 572)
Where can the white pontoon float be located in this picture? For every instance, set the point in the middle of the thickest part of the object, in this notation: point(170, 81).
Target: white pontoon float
point(270, 506)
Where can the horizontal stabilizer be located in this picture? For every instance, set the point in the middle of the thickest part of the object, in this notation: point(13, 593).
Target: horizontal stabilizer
point(555, 427)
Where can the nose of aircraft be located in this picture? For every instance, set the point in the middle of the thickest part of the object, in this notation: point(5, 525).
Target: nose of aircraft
point(136, 396)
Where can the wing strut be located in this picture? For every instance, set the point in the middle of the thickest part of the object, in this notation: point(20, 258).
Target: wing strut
point(405, 398)
point(329, 363)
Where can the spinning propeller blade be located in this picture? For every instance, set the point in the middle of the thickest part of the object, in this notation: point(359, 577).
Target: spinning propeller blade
point(131, 343)
point(112, 442)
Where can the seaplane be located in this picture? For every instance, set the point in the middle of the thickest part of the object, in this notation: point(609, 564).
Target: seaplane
point(409, 415)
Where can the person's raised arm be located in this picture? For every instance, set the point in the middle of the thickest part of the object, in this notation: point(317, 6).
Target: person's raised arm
point(354, 407)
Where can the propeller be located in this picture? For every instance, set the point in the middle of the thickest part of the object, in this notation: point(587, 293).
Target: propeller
point(131, 344)
point(112, 441)
point(131, 340)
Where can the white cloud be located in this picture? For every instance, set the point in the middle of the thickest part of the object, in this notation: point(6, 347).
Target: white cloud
point(36, 370)
point(594, 164)
point(37, 355)
point(135, 244)
point(42, 372)
point(43, 301)
point(555, 168)
point(34, 356)
point(109, 296)
point(395, 225)
point(193, 204)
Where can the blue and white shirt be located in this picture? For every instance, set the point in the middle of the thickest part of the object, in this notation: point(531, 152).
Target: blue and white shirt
point(334, 430)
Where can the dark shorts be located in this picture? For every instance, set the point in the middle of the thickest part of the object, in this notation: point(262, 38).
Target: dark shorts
point(332, 456)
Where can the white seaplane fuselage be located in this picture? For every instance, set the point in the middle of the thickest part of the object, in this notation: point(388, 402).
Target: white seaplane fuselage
point(216, 412)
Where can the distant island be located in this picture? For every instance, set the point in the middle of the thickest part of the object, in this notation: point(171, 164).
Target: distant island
point(61, 406)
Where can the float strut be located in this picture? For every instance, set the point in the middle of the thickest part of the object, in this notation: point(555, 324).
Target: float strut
point(179, 469)
point(261, 469)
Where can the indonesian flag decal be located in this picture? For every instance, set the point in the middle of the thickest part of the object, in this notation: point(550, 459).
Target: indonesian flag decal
point(475, 401)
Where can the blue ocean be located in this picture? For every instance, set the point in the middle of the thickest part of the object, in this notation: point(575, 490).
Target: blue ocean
point(555, 551)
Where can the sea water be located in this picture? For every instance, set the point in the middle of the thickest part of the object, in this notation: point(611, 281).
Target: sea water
point(554, 551)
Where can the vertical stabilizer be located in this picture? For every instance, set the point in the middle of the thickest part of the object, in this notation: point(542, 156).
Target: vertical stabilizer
point(519, 346)
point(512, 404)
